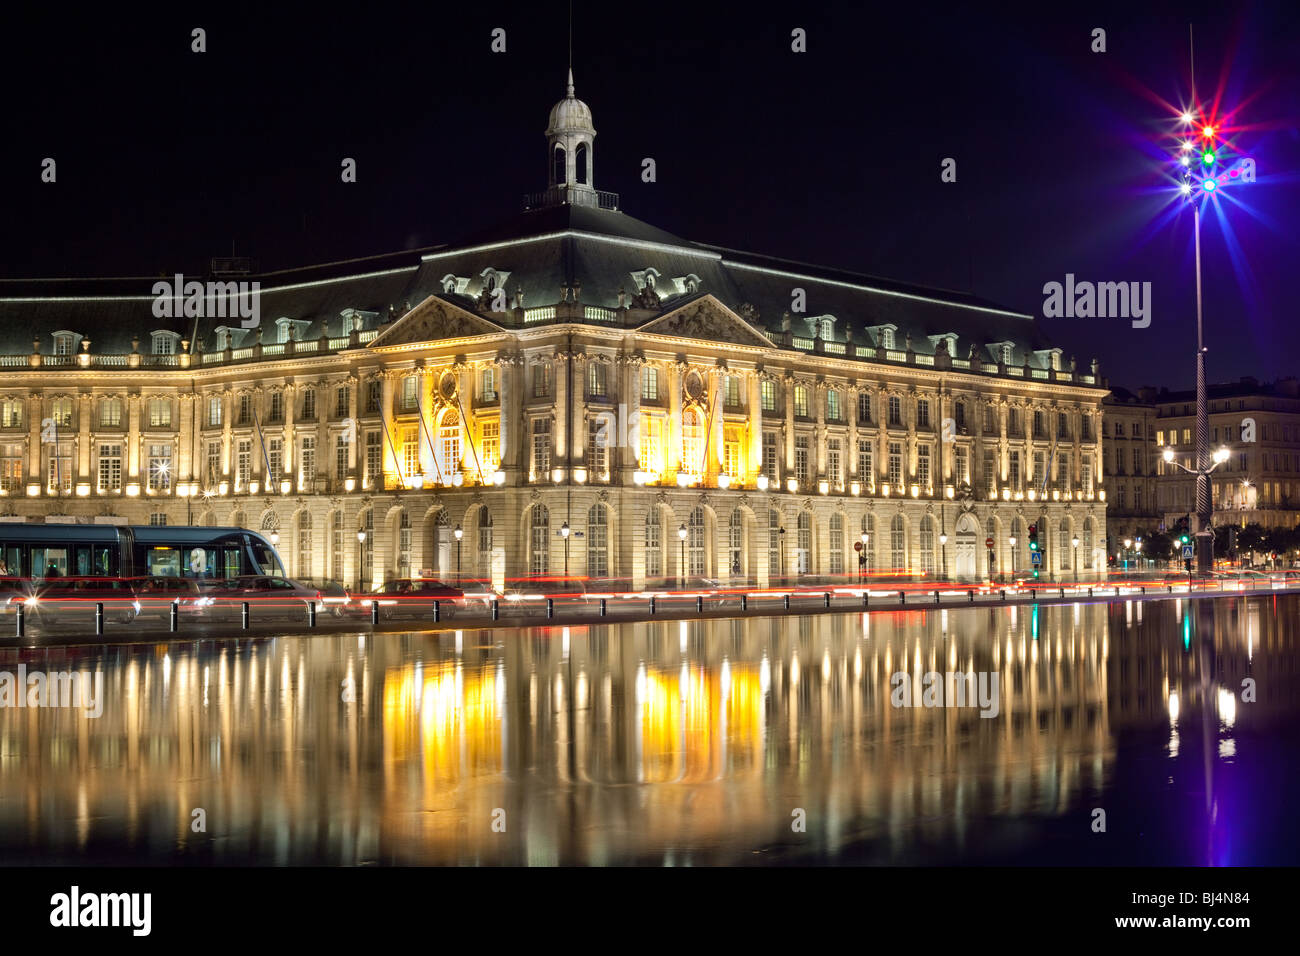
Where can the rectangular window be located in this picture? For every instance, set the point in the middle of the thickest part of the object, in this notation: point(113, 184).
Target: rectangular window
point(110, 413)
point(243, 464)
point(864, 408)
point(1013, 473)
point(801, 461)
point(833, 406)
point(961, 465)
point(1040, 467)
point(541, 381)
point(341, 455)
point(245, 415)
point(833, 474)
point(410, 393)
point(649, 384)
point(923, 465)
point(160, 467)
point(60, 467)
point(309, 404)
point(866, 473)
point(990, 471)
point(801, 401)
point(1187, 436)
point(275, 456)
point(541, 449)
point(11, 467)
point(767, 393)
point(769, 456)
point(731, 391)
point(374, 396)
point(160, 413)
point(597, 466)
point(1063, 426)
point(374, 458)
point(214, 463)
point(411, 453)
point(923, 413)
point(1040, 430)
point(277, 407)
point(61, 411)
point(895, 464)
point(214, 411)
point(990, 421)
point(1160, 436)
point(307, 461)
point(488, 385)
point(1119, 429)
point(597, 379)
point(1062, 469)
point(490, 446)
point(342, 401)
point(731, 458)
point(651, 457)
point(158, 519)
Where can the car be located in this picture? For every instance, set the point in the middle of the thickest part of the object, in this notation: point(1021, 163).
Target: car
point(269, 597)
point(73, 601)
point(413, 598)
point(334, 597)
point(157, 595)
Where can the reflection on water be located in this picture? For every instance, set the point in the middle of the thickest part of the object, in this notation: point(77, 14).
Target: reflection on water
point(675, 742)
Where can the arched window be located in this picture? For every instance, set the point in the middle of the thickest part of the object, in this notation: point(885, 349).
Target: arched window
point(735, 541)
point(484, 540)
point(869, 549)
point(654, 553)
point(597, 542)
point(449, 444)
point(561, 177)
point(270, 521)
point(775, 561)
point(367, 524)
point(695, 555)
point(692, 442)
point(539, 541)
point(927, 544)
point(404, 545)
point(1087, 543)
point(837, 544)
point(803, 544)
point(898, 544)
point(887, 338)
point(580, 164)
point(304, 545)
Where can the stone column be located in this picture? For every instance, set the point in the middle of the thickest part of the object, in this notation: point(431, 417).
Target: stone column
point(133, 437)
point(427, 383)
point(386, 437)
point(819, 435)
point(789, 383)
point(673, 431)
point(83, 439)
point(227, 445)
point(851, 453)
point(354, 387)
point(755, 399)
point(34, 445)
point(563, 410)
point(629, 429)
point(579, 439)
point(909, 414)
point(185, 451)
point(470, 459)
point(714, 458)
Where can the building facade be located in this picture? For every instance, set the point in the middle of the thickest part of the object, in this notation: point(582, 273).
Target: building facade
point(1259, 424)
point(574, 391)
point(1130, 465)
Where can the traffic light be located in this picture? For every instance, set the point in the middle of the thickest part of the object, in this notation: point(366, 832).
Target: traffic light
point(1033, 537)
point(1184, 530)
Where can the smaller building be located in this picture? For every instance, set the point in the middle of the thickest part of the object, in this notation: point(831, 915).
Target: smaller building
point(1130, 464)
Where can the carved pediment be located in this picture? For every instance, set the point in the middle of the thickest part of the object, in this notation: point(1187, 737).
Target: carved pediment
point(709, 320)
point(434, 320)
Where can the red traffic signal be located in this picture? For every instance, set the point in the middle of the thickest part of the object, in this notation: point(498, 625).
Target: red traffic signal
point(1033, 529)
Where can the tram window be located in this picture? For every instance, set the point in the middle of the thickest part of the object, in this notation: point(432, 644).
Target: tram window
point(49, 562)
point(162, 562)
point(267, 558)
point(232, 566)
point(11, 560)
point(103, 560)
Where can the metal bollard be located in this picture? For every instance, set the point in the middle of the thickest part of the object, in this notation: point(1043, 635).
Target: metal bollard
point(866, 598)
point(311, 613)
point(1089, 592)
point(1171, 589)
point(496, 610)
point(744, 602)
point(828, 599)
point(652, 604)
point(244, 616)
point(699, 603)
point(787, 602)
point(1032, 594)
point(902, 597)
point(971, 594)
point(99, 618)
point(175, 616)
point(602, 607)
point(20, 620)
point(437, 612)
point(936, 597)
point(1003, 594)
point(374, 612)
point(1144, 589)
point(1062, 590)
point(550, 608)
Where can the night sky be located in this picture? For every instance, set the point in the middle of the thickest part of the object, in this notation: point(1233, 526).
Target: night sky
point(833, 156)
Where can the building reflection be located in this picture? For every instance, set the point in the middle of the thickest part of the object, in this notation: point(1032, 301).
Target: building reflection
point(654, 742)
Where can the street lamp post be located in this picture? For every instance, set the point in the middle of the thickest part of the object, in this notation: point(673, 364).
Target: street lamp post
point(943, 541)
point(1205, 463)
point(459, 534)
point(564, 533)
point(1012, 541)
point(862, 556)
point(1128, 546)
point(361, 544)
point(681, 558)
point(1075, 541)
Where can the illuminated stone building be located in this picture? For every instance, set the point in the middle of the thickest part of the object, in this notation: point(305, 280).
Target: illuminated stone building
point(671, 405)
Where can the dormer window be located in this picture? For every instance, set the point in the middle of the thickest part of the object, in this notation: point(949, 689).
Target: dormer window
point(689, 284)
point(283, 325)
point(454, 284)
point(887, 337)
point(65, 343)
point(166, 343)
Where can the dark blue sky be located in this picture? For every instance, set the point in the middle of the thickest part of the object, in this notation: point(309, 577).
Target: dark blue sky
point(832, 156)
